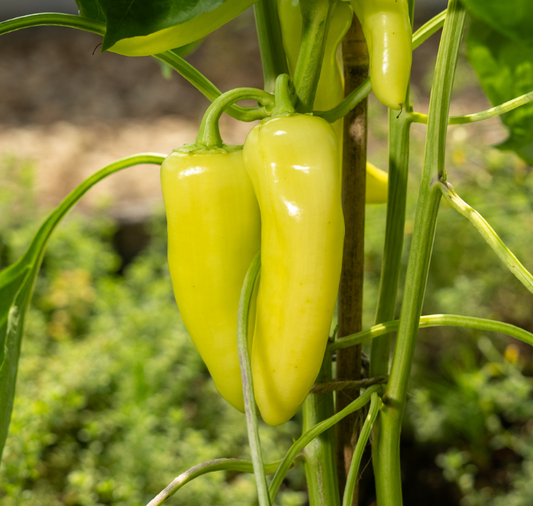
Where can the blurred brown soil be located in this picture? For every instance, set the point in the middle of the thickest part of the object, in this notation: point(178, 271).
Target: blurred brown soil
point(72, 111)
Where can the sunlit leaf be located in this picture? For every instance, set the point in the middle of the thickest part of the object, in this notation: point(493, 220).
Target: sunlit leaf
point(505, 69)
point(143, 27)
point(511, 17)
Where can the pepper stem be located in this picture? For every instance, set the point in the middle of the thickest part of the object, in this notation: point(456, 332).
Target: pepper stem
point(283, 105)
point(209, 133)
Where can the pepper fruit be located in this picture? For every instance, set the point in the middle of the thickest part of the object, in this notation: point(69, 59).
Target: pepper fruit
point(213, 234)
point(292, 161)
point(181, 34)
point(330, 90)
point(377, 185)
point(388, 34)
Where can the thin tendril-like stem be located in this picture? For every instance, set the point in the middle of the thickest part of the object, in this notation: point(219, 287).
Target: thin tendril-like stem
point(362, 440)
point(498, 110)
point(429, 28)
point(250, 280)
point(241, 466)
point(308, 436)
point(437, 320)
point(490, 236)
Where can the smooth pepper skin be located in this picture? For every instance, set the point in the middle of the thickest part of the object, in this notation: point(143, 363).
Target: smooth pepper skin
point(213, 234)
point(292, 162)
point(330, 90)
point(181, 34)
point(388, 36)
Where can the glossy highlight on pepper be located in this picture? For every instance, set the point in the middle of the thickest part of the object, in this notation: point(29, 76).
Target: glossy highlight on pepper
point(292, 161)
point(388, 33)
point(213, 234)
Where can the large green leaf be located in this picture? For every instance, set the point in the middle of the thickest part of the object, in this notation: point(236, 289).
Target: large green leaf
point(510, 17)
point(91, 9)
point(176, 22)
point(17, 281)
point(505, 69)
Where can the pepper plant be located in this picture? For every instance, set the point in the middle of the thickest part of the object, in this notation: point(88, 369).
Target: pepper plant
point(264, 241)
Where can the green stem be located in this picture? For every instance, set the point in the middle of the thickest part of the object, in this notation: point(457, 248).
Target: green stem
point(196, 78)
point(399, 136)
point(387, 472)
point(319, 464)
point(488, 233)
point(206, 87)
point(429, 28)
point(353, 474)
point(283, 105)
point(252, 277)
point(344, 107)
point(209, 132)
point(437, 320)
point(235, 465)
point(318, 429)
point(315, 17)
point(417, 117)
point(270, 42)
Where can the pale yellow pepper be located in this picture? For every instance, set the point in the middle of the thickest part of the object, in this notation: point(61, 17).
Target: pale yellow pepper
point(388, 34)
point(292, 161)
point(213, 234)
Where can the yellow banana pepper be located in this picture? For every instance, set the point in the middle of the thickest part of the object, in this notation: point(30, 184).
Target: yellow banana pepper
point(292, 161)
point(213, 235)
point(330, 90)
point(387, 32)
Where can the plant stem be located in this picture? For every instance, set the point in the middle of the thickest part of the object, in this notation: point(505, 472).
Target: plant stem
point(211, 466)
point(399, 137)
point(497, 110)
point(399, 130)
point(319, 464)
point(387, 471)
point(350, 304)
point(312, 433)
point(283, 105)
point(428, 29)
point(375, 405)
point(436, 320)
point(252, 277)
point(273, 56)
point(491, 237)
point(315, 17)
point(209, 133)
point(351, 101)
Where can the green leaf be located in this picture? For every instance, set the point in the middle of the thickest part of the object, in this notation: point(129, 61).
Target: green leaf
point(91, 9)
point(511, 18)
point(505, 69)
point(17, 282)
point(160, 25)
